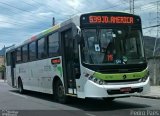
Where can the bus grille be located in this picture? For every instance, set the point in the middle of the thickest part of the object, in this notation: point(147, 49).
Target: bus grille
point(122, 82)
point(121, 70)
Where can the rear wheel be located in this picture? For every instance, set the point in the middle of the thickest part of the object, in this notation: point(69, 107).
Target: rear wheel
point(20, 86)
point(59, 92)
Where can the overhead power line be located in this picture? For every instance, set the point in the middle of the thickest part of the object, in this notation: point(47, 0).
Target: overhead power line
point(29, 4)
point(151, 26)
point(146, 4)
point(13, 23)
point(14, 7)
point(47, 7)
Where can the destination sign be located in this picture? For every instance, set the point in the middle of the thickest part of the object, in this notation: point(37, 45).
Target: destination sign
point(111, 20)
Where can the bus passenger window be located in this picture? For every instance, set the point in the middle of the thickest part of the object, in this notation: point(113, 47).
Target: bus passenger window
point(18, 55)
point(41, 48)
point(53, 44)
point(25, 53)
point(8, 59)
point(32, 51)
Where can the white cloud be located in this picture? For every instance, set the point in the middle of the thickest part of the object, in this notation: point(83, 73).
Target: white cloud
point(5, 22)
point(6, 25)
point(44, 14)
point(74, 3)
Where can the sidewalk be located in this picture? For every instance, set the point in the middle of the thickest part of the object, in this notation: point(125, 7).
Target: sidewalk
point(154, 93)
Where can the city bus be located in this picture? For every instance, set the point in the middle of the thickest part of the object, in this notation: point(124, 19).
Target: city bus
point(91, 55)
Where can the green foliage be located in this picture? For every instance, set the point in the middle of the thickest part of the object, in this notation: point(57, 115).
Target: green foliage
point(2, 68)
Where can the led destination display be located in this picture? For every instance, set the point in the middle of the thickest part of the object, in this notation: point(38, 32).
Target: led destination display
point(111, 19)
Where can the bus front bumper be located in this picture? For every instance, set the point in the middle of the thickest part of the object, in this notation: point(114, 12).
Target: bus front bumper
point(94, 90)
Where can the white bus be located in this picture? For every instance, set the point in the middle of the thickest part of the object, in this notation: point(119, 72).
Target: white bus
point(92, 55)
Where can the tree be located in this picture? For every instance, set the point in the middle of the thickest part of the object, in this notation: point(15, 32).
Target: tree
point(2, 68)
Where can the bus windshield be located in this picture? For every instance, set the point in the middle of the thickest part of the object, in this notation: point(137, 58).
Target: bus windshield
point(112, 46)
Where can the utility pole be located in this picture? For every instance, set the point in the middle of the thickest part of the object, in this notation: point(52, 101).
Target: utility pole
point(150, 15)
point(155, 45)
point(53, 21)
point(131, 3)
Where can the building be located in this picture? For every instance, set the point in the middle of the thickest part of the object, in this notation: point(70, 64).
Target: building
point(2, 61)
point(2, 55)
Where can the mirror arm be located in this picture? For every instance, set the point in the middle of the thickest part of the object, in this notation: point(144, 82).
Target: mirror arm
point(79, 30)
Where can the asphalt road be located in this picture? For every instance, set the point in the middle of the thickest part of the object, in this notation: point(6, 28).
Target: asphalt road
point(38, 104)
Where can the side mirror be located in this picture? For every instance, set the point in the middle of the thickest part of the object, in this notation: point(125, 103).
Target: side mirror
point(76, 43)
point(76, 57)
point(78, 39)
point(78, 35)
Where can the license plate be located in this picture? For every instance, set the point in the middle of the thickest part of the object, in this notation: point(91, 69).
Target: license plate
point(127, 89)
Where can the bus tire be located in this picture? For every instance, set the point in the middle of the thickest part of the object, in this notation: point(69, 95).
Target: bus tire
point(59, 92)
point(108, 99)
point(20, 86)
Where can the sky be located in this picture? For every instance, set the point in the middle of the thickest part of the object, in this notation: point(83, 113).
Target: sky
point(20, 19)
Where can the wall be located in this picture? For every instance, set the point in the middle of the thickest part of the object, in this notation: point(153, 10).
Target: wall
point(154, 69)
point(1, 60)
point(1, 63)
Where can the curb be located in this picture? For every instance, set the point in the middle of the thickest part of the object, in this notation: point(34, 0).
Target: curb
point(151, 97)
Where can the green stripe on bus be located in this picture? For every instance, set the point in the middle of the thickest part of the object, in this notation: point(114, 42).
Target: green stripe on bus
point(52, 29)
point(48, 31)
point(59, 68)
point(119, 76)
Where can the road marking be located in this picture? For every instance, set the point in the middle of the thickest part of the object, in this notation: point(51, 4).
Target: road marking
point(90, 114)
point(19, 95)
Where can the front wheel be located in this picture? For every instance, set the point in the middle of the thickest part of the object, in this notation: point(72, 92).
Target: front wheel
point(59, 92)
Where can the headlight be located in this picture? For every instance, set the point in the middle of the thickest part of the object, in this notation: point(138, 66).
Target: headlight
point(90, 78)
point(96, 80)
point(101, 82)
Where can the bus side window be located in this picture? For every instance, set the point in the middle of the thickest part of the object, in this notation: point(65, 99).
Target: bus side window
point(8, 59)
point(41, 48)
point(53, 44)
point(18, 54)
point(25, 53)
point(32, 51)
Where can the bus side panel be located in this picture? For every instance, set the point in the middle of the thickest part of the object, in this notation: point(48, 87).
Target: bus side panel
point(22, 72)
point(39, 75)
point(27, 73)
point(33, 78)
point(46, 73)
point(8, 75)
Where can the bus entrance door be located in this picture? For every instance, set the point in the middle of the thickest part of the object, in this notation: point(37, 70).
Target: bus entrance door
point(68, 62)
point(13, 68)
